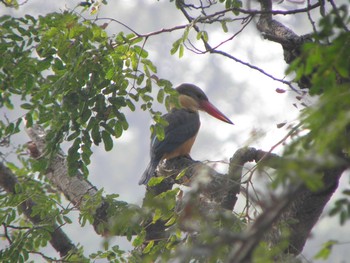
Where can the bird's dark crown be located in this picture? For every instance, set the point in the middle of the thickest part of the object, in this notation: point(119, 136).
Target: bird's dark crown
point(192, 91)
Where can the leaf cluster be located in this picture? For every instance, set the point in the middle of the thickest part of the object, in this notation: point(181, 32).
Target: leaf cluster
point(325, 143)
point(74, 80)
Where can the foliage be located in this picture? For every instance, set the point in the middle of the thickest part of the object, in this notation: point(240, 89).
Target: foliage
point(77, 81)
point(324, 65)
point(74, 80)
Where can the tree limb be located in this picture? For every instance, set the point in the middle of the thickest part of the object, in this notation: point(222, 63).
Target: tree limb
point(277, 32)
point(298, 204)
point(305, 210)
point(242, 251)
point(213, 186)
point(77, 189)
point(59, 240)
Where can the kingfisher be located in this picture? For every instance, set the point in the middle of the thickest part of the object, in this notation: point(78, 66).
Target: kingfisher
point(182, 128)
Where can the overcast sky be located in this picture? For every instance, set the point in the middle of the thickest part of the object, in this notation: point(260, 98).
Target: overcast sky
point(246, 96)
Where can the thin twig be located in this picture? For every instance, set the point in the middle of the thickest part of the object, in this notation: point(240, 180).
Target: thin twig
point(260, 12)
point(288, 83)
point(6, 234)
point(312, 22)
point(215, 51)
point(335, 8)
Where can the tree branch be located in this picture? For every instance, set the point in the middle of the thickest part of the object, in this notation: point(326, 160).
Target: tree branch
point(242, 251)
point(298, 204)
point(305, 210)
point(59, 240)
point(222, 189)
point(277, 32)
point(78, 190)
point(214, 50)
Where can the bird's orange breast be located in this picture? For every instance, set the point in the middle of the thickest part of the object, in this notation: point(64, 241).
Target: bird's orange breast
point(183, 150)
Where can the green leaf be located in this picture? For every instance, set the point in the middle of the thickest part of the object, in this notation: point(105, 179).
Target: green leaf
point(67, 220)
point(155, 181)
point(95, 134)
point(10, 128)
point(205, 36)
point(27, 106)
point(73, 136)
point(141, 52)
point(160, 96)
point(140, 79)
point(181, 174)
point(148, 63)
point(130, 104)
point(138, 241)
point(224, 26)
point(118, 101)
point(171, 221)
point(181, 51)
point(107, 140)
point(199, 35)
point(326, 250)
point(159, 130)
point(118, 129)
point(176, 46)
point(346, 192)
point(148, 248)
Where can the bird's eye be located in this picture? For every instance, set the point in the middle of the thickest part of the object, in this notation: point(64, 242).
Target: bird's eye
point(201, 97)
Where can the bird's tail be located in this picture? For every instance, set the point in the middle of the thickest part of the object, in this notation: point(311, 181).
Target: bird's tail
point(149, 172)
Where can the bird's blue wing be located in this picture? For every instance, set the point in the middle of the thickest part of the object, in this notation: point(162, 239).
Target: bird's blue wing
point(183, 125)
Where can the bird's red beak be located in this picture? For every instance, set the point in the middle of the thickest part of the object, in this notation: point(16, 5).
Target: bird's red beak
point(213, 111)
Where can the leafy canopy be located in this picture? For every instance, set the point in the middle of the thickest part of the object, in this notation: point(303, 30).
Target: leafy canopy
point(75, 80)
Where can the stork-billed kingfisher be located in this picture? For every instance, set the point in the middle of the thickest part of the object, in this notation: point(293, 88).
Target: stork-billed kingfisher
point(182, 129)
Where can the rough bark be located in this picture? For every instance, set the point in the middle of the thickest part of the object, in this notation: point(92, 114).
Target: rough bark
point(306, 209)
point(277, 32)
point(73, 187)
point(76, 188)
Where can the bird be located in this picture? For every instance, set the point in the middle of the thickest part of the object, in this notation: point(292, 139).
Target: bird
point(182, 128)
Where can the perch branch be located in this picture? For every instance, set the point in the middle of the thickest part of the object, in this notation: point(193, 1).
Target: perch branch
point(297, 204)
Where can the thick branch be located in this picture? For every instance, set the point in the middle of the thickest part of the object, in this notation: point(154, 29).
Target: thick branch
point(77, 188)
point(277, 32)
point(306, 209)
point(59, 240)
point(242, 251)
point(235, 173)
point(220, 188)
point(298, 204)
point(73, 187)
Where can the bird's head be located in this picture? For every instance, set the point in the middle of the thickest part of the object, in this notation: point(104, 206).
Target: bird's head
point(193, 98)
